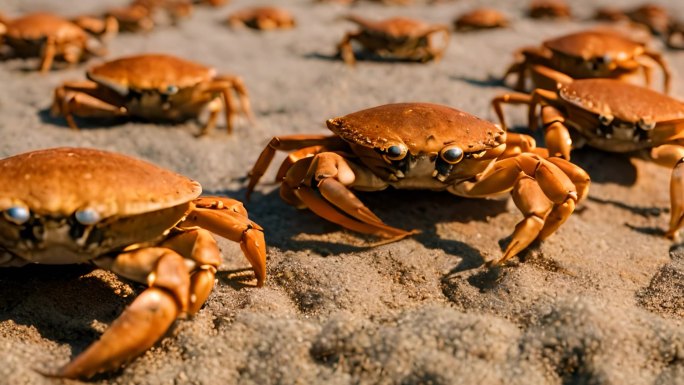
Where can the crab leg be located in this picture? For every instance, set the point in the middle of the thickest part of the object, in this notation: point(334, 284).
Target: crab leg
point(332, 174)
point(227, 83)
point(227, 218)
point(437, 53)
point(48, 55)
point(543, 192)
point(556, 134)
point(345, 50)
point(667, 74)
point(286, 143)
point(87, 99)
point(142, 323)
point(672, 155)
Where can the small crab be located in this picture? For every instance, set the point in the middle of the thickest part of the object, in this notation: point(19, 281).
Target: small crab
point(610, 13)
point(145, 223)
point(675, 35)
point(655, 17)
point(612, 116)
point(49, 36)
point(397, 38)
point(156, 87)
point(422, 146)
point(264, 18)
point(481, 18)
point(143, 15)
point(549, 9)
point(598, 53)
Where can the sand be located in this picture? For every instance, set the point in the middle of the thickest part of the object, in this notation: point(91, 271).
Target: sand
point(600, 302)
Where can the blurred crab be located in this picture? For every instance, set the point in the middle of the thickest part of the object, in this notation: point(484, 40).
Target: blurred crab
point(398, 38)
point(145, 223)
point(481, 18)
point(263, 18)
point(549, 9)
point(51, 37)
point(675, 35)
point(422, 146)
point(143, 15)
point(156, 87)
point(612, 116)
point(655, 17)
point(599, 53)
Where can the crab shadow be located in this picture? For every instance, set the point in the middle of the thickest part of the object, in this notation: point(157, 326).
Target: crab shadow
point(47, 117)
point(360, 56)
point(59, 301)
point(291, 229)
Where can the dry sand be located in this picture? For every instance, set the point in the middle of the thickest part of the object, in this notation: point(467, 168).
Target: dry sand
point(600, 302)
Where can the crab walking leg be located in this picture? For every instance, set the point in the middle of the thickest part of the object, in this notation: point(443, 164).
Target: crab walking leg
point(515, 99)
point(672, 156)
point(144, 322)
point(234, 225)
point(294, 157)
point(345, 49)
point(48, 54)
point(228, 83)
point(214, 108)
point(517, 144)
point(286, 143)
point(437, 52)
point(538, 188)
point(667, 74)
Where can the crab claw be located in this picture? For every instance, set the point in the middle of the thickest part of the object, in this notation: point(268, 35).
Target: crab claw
point(143, 323)
point(228, 218)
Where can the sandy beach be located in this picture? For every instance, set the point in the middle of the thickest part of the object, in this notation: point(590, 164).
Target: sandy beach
point(599, 302)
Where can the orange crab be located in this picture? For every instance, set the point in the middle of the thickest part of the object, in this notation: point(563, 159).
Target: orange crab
point(422, 146)
point(264, 18)
point(157, 87)
point(598, 53)
point(613, 116)
point(49, 36)
point(398, 38)
point(145, 223)
point(549, 9)
point(481, 18)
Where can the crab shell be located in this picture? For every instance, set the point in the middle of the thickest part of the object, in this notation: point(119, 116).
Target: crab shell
point(629, 107)
point(610, 45)
point(37, 26)
point(135, 201)
point(397, 27)
point(154, 72)
point(623, 101)
point(424, 128)
point(481, 18)
point(276, 17)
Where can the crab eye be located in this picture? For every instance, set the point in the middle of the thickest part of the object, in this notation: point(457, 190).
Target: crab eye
point(396, 152)
point(605, 119)
point(87, 217)
point(452, 155)
point(17, 214)
point(171, 89)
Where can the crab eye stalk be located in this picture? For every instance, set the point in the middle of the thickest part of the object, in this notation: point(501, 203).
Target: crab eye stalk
point(396, 152)
point(17, 214)
point(452, 155)
point(87, 217)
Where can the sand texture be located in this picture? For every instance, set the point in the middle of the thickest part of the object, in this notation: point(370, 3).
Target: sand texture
point(599, 302)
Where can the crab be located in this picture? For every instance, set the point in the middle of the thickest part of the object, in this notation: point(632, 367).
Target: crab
point(654, 16)
point(142, 222)
point(397, 38)
point(49, 36)
point(598, 53)
point(675, 35)
point(263, 18)
point(422, 146)
point(549, 9)
point(156, 87)
point(612, 116)
point(481, 18)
